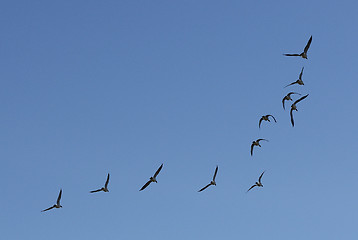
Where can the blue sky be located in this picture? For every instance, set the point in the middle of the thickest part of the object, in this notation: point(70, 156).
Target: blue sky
point(91, 87)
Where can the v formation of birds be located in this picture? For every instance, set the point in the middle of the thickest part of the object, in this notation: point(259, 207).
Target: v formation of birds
point(255, 143)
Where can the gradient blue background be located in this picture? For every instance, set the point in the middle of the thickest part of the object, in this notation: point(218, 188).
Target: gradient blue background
point(90, 87)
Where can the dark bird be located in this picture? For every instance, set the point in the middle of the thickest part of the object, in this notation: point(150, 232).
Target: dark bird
point(266, 118)
point(299, 81)
point(293, 107)
point(105, 188)
point(256, 143)
point(304, 53)
point(57, 205)
point(152, 179)
point(257, 184)
point(212, 181)
point(288, 98)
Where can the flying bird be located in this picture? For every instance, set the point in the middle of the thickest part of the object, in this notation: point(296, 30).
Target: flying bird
point(257, 184)
point(256, 143)
point(212, 181)
point(266, 118)
point(57, 205)
point(299, 81)
point(288, 98)
point(105, 188)
point(294, 107)
point(304, 53)
point(152, 179)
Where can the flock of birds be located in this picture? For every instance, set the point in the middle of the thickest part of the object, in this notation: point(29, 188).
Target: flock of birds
point(254, 143)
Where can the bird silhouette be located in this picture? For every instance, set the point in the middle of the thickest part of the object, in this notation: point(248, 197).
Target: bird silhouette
point(299, 80)
point(212, 181)
point(57, 205)
point(266, 118)
point(105, 188)
point(256, 143)
point(294, 108)
point(152, 179)
point(304, 53)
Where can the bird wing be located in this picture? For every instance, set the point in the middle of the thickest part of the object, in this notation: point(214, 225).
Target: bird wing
point(293, 123)
point(290, 93)
point(145, 185)
point(204, 187)
point(273, 118)
point(308, 45)
point(283, 102)
point(261, 176)
point(260, 122)
point(300, 77)
point(300, 99)
point(107, 181)
point(98, 190)
point(59, 197)
point(251, 187)
point(252, 148)
point(48, 208)
point(291, 84)
point(157, 172)
point(289, 54)
point(216, 171)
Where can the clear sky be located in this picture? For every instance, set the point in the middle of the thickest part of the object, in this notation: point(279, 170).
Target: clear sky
point(91, 87)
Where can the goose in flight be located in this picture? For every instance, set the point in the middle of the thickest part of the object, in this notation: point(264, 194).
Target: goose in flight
point(152, 179)
point(105, 188)
point(299, 81)
point(257, 184)
point(256, 143)
point(304, 53)
point(212, 181)
point(266, 118)
point(294, 108)
point(288, 98)
point(57, 205)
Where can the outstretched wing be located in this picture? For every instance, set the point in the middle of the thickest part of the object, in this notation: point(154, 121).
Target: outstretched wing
point(300, 77)
point(261, 176)
point(308, 45)
point(300, 99)
point(204, 187)
point(252, 149)
point(107, 181)
point(48, 208)
point(251, 187)
point(59, 197)
point(157, 172)
point(145, 185)
point(290, 55)
point(216, 171)
point(272, 117)
point(98, 190)
point(291, 84)
point(260, 122)
point(291, 113)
